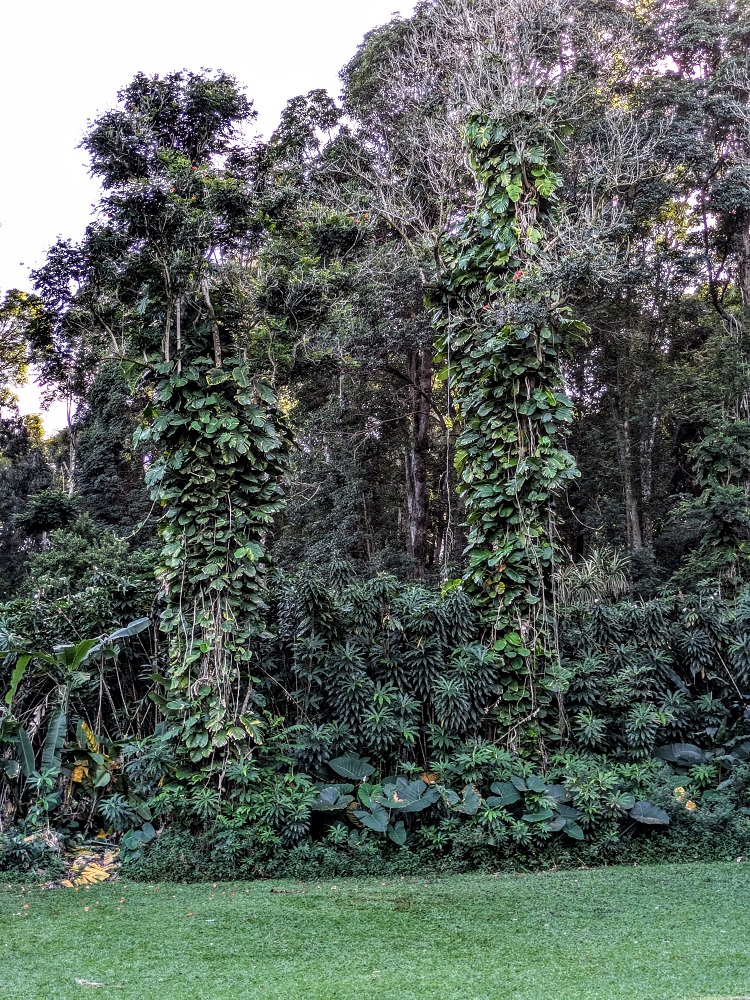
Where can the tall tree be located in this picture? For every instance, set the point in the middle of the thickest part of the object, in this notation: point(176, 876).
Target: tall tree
point(155, 286)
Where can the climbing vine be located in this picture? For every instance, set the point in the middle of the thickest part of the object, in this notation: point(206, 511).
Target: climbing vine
point(502, 331)
point(222, 457)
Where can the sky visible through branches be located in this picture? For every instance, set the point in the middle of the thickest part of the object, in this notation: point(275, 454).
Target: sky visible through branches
point(64, 63)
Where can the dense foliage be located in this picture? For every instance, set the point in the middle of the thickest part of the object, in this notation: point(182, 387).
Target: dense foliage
point(441, 399)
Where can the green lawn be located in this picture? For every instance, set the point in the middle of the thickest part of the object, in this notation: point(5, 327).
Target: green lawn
point(670, 931)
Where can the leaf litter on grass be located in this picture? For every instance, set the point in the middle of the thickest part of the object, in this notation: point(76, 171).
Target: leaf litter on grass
point(88, 866)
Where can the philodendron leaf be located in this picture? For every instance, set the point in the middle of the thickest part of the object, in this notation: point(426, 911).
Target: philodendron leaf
point(407, 796)
point(448, 796)
point(538, 816)
point(366, 792)
point(535, 784)
point(645, 812)
point(558, 793)
point(352, 767)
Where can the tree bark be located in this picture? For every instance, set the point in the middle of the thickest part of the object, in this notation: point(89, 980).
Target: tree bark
point(647, 455)
point(621, 417)
point(743, 276)
point(420, 378)
point(214, 322)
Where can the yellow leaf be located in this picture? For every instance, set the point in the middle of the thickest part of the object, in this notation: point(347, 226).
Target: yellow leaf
point(91, 741)
point(92, 874)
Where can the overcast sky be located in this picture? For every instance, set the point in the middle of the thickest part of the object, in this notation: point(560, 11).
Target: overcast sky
point(63, 62)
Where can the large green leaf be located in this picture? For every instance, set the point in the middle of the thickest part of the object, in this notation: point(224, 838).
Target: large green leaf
point(538, 816)
point(133, 628)
point(536, 784)
point(645, 812)
point(683, 754)
point(407, 796)
point(504, 794)
point(375, 819)
point(397, 833)
point(330, 799)
point(54, 741)
point(470, 801)
point(72, 656)
point(573, 830)
point(351, 766)
point(17, 676)
point(25, 752)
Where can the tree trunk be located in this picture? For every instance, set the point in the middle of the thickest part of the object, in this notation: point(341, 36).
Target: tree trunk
point(420, 378)
point(743, 276)
point(647, 455)
point(621, 417)
point(214, 323)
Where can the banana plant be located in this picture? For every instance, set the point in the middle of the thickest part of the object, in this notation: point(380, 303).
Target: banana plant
point(66, 662)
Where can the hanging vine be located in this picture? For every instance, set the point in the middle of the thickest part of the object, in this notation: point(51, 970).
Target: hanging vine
point(502, 331)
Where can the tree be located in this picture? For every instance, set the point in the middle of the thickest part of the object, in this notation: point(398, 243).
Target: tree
point(503, 336)
point(14, 352)
point(154, 284)
point(110, 471)
point(23, 472)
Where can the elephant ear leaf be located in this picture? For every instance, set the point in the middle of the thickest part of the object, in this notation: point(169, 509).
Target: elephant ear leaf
point(397, 833)
point(375, 819)
point(54, 741)
point(17, 676)
point(352, 767)
point(408, 796)
point(470, 801)
point(645, 812)
point(683, 754)
point(573, 829)
point(330, 799)
point(504, 794)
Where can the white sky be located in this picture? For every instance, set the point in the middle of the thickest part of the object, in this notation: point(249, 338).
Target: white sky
point(63, 62)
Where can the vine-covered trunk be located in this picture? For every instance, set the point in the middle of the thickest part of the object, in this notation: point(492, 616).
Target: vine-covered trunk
point(502, 332)
point(223, 447)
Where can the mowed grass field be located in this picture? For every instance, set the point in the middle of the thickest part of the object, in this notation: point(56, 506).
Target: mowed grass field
point(668, 932)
